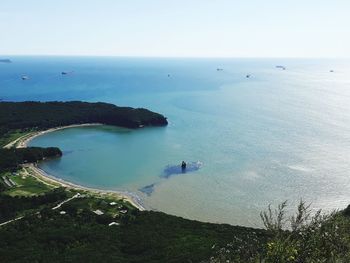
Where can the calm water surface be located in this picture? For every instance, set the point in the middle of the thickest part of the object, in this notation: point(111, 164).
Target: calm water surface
point(280, 134)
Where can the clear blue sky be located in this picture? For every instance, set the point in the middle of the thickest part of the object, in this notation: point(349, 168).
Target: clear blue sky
point(187, 28)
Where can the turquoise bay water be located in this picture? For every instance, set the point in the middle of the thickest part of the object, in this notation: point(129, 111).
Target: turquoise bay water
point(274, 136)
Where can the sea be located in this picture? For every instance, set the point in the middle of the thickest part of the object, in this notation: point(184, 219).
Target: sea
point(253, 132)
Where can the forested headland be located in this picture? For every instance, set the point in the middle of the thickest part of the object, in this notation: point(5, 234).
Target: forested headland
point(11, 158)
point(45, 115)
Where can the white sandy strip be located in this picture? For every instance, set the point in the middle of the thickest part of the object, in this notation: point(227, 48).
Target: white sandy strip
point(42, 175)
point(23, 141)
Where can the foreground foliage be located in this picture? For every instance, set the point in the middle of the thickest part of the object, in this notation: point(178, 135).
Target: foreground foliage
point(303, 238)
point(312, 237)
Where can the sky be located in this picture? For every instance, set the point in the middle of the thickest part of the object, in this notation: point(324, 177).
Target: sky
point(181, 28)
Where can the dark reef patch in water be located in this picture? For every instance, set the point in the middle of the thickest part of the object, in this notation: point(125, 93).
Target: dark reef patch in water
point(78, 150)
point(171, 170)
point(67, 152)
point(148, 189)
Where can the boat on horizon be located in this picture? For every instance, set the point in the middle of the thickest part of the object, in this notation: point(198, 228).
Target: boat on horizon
point(66, 72)
point(281, 67)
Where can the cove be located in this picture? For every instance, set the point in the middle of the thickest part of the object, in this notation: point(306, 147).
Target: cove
point(281, 134)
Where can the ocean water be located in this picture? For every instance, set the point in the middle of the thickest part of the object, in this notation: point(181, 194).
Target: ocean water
point(278, 135)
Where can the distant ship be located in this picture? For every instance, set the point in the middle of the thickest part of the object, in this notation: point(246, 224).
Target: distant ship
point(281, 67)
point(331, 71)
point(66, 72)
point(24, 77)
point(247, 76)
point(219, 69)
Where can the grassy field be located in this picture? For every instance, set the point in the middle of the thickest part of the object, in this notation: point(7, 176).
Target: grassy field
point(26, 185)
point(29, 186)
point(14, 135)
point(108, 205)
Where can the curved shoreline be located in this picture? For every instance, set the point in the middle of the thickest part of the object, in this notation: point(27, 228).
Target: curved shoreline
point(41, 175)
point(22, 142)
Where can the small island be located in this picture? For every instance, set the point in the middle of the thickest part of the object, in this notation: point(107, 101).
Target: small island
point(6, 60)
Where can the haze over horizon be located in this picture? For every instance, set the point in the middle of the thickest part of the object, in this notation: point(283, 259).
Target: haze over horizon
point(183, 29)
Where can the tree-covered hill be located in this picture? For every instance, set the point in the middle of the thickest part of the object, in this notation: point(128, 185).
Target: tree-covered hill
point(142, 237)
point(11, 158)
point(44, 115)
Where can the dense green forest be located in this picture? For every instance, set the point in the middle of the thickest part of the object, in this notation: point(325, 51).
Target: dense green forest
point(11, 158)
point(11, 207)
point(79, 235)
point(44, 115)
point(141, 237)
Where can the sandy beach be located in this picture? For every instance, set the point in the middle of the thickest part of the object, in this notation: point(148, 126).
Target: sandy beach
point(23, 141)
point(41, 175)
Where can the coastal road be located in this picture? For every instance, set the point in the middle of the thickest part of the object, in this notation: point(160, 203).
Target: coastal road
point(54, 208)
point(12, 220)
point(65, 201)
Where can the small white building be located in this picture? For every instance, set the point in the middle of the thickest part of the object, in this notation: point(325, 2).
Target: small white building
point(98, 212)
point(112, 203)
point(114, 224)
point(63, 212)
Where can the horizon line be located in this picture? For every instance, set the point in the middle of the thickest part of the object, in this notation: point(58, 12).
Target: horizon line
point(3, 56)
